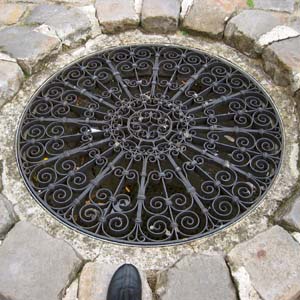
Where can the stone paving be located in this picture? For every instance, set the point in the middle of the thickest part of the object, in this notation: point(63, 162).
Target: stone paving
point(289, 216)
point(116, 16)
point(241, 34)
point(11, 78)
point(257, 258)
point(33, 265)
point(209, 17)
point(160, 16)
point(203, 276)
point(7, 216)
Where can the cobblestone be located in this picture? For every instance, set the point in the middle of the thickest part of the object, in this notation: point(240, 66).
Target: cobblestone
point(272, 262)
point(241, 33)
point(209, 16)
point(277, 34)
point(160, 16)
point(7, 216)
point(10, 13)
point(38, 46)
point(68, 24)
point(116, 15)
point(90, 12)
point(11, 78)
point(36, 266)
point(290, 216)
point(72, 291)
point(275, 5)
point(282, 62)
point(205, 275)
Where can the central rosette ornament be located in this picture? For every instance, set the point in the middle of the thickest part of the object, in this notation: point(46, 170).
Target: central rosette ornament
point(149, 127)
point(149, 124)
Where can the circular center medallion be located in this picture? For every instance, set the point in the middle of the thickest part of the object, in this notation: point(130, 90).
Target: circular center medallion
point(149, 125)
point(149, 144)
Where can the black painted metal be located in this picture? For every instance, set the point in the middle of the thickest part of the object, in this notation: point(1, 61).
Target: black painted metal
point(149, 144)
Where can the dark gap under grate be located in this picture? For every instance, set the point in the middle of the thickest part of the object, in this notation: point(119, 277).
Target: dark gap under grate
point(149, 144)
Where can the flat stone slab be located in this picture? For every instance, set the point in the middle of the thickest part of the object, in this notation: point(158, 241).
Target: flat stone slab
point(209, 16)
point(7, 215)
point(72, 291)
point(11, 78)
point(278, 33)
point(291, 216)
point(282, 62)
point(160, 16)
point(68, 24)
point(241, 33)
point(204, 277)
point(90, 12)
point(276, 5)
point(116, 15)
point(27, 46)
point(272, 262)
point(95, 278)
point(41, 13)
point(35, 266)
point(10, 13)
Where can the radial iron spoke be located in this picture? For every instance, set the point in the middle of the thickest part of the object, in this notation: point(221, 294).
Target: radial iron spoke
point(235, 129)
point(221, 162)
point(155, 70)
point(189, 83)
point(187, 184)
point(208, 89)
point(89, 95)
point(118, 77)
point(214, 102)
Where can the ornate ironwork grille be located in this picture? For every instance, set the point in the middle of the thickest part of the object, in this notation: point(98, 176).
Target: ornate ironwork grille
point(149, 144)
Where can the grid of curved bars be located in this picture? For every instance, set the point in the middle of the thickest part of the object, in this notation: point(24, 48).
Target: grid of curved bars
point(149, 144)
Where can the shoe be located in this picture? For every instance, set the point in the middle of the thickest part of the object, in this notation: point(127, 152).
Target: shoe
point(125, 284)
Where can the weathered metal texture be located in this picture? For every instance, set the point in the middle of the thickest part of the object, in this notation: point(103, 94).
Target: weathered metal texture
point(149, 144)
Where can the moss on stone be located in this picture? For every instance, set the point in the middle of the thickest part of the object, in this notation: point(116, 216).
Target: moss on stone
point(250, 3)
point(183, 32)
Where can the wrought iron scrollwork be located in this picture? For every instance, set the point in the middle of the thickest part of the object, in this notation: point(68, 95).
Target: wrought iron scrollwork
point(149, 144)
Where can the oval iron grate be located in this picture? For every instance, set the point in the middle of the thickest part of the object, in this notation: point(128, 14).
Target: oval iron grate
point(149, 144)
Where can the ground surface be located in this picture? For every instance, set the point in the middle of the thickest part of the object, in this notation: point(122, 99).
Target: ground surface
point(242, 256)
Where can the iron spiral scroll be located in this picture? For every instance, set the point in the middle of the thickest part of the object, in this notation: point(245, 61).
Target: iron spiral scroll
point(149, 144)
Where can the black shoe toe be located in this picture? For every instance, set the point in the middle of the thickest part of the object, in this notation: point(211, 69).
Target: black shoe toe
point(125, 284)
